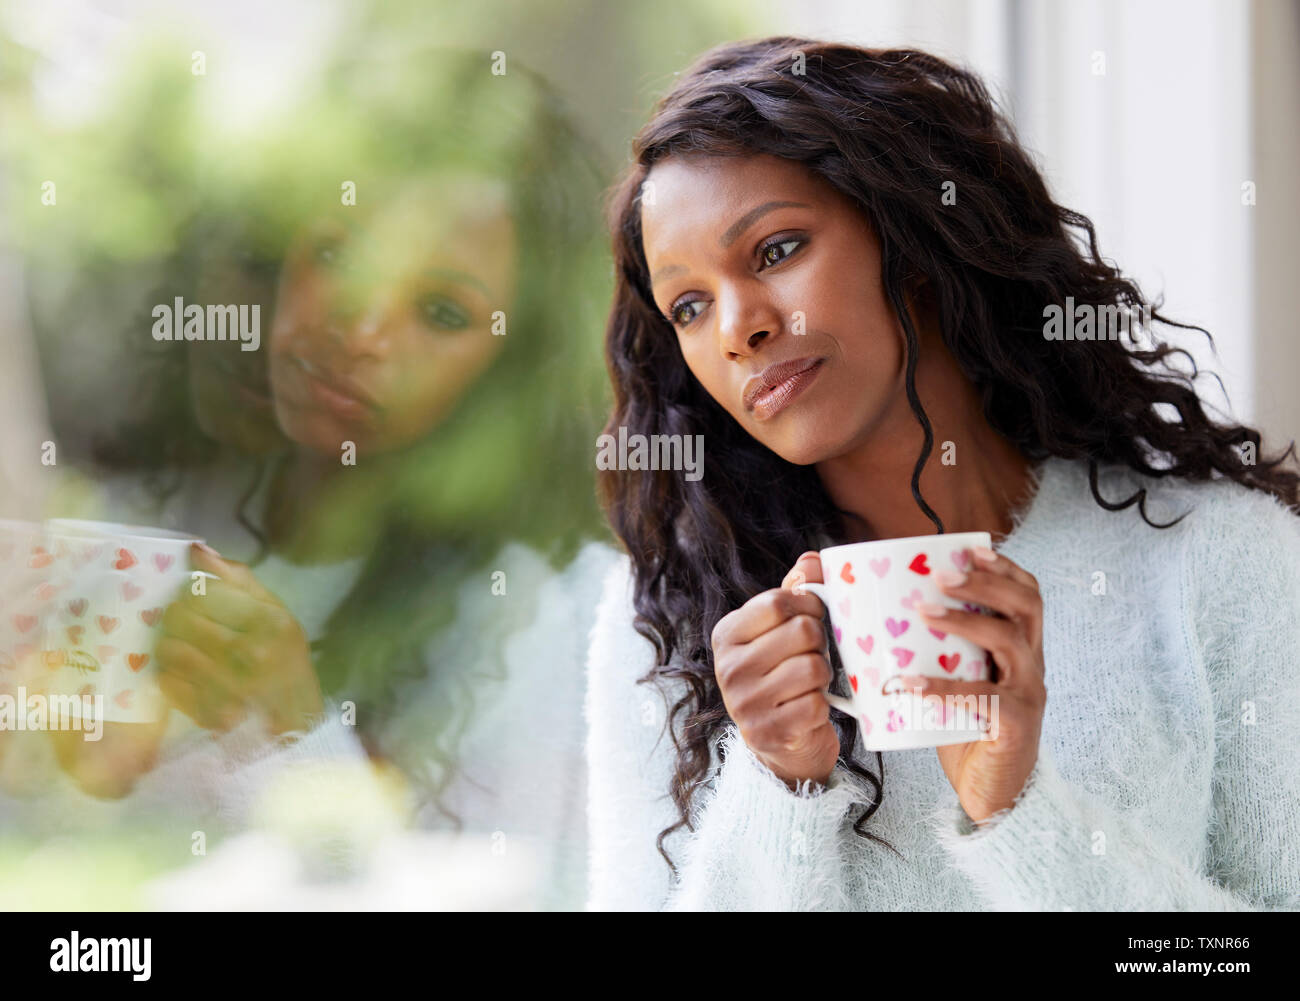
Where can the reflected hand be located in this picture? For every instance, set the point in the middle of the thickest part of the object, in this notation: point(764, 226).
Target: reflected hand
point(234, 650)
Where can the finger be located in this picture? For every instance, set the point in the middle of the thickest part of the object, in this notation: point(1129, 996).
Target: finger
point(807, 569)
point(185, 698)
point(213, 688)
point(207, 559)
point(761, 613)
point(184, 621)
point(181, 694)
point(1000, 593)
point(1002, 638)
point(796, 677)
point(792, 726)
point(987, 559)
point(796, 635)
point(949, 686)
point(227, 603)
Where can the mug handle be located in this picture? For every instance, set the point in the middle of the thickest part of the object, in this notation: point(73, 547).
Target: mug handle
point(838, 701)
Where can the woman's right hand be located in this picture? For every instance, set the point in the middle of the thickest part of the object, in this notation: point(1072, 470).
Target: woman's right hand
point(771, 661)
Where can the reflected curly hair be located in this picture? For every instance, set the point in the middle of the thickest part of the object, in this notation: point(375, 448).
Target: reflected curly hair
point(887, 128)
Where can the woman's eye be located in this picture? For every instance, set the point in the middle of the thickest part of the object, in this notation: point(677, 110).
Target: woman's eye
point(778, 251)
point(683, 312)
point(327, 252)
point(446, 314)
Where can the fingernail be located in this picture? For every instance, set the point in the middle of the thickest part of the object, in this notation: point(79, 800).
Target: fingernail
point(205, 548)
point(811, 552)
point(985, 554)
point(949, 578)
point(932, 610)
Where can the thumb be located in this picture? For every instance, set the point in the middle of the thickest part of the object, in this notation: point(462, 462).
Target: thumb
point(807, 569)
point(204, 557)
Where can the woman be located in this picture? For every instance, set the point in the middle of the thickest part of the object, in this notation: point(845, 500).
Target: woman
point(828, 261)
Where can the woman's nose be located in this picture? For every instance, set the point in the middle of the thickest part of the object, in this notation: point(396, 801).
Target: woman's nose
point(746, 318)
point(361, 331)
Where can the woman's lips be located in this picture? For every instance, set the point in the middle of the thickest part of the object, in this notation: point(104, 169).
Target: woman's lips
point(783, 384)
point(330, 393)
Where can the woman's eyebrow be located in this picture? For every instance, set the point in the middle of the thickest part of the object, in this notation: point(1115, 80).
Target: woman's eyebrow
point(751, 217)
point(733, 232)
point(459, 276)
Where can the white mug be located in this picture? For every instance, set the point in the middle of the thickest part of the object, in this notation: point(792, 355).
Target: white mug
point(871, 591)
point(112, 583)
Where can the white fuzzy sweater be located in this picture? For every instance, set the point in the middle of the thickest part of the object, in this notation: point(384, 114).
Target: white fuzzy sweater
point(1168, 775)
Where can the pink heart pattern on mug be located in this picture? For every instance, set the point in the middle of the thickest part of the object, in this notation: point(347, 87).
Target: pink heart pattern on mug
point(895, 627)
point(845, 608)
point(904, 656)
point(865, 643)
point(163, 561)
point(910, 601)
point(960, 559)
point(879, 567)
point(895, 722)
point(131, 591)
point(938, 635)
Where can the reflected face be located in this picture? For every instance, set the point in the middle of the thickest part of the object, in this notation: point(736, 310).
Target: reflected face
point(771, 279)
point(384, 321)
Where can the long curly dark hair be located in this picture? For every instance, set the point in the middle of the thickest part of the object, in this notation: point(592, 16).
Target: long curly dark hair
point(887, 128)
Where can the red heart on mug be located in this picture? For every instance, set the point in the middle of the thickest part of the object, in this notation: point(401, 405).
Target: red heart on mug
point(853, 680)
point(40, 558)
point(137, 660)
point(125, 560)
point(949, 661)
point(918, 565)
point(846, 573)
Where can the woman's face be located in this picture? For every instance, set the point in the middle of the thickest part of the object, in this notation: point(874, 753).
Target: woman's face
point(384, 318)
point(771, 278)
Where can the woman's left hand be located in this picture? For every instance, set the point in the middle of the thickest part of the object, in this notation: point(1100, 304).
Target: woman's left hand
point(988, 775)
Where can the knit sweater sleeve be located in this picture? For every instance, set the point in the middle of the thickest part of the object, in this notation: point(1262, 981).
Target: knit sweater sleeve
point(754, 844)
point(1243, 620)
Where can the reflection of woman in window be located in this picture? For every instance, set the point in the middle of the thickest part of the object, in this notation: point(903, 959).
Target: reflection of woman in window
point(425, 372)
point(800, 290)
